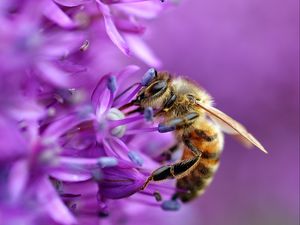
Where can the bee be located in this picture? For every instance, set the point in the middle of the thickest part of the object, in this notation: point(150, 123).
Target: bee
point(187, 109)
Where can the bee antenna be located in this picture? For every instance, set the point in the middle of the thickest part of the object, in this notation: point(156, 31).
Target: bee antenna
point(126, 106)
point(126, 90)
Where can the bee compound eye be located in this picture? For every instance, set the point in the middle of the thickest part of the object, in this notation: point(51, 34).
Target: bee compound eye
point(149, 76)
point(157, 87)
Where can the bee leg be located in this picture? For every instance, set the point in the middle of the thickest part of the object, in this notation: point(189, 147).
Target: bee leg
point(177, 170)
point(177, 122)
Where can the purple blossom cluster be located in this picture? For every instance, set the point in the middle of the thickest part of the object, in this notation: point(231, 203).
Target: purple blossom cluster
point(68, 153)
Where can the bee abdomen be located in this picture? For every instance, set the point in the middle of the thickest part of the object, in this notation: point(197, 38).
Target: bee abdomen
point(196, 182)
point(209, 141)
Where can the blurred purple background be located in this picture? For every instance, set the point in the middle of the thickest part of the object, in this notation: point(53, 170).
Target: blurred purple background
point(245, 53)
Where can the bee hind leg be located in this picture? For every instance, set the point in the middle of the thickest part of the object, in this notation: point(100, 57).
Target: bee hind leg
point(182, 168)
point(177, 170)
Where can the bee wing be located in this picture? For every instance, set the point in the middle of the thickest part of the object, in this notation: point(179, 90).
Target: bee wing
point(231, 126)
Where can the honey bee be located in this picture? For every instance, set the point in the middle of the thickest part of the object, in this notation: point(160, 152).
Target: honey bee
point(187, 109)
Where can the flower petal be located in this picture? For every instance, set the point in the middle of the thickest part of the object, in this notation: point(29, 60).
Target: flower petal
point(12, 143)
point(111, 29)
point(120, 183)
point(99, 91)
point(60, 127)
point(69, 175)
point(60, 44)
point(105, 102)
point(124, 73)
point(145, 9)
point(53, 75)
point(122, 1)
point(48, 198)
point(130, 26)
point(26, 110)
point(72, 3)
point(141, 50)
point(56, 15)
point(18, 178)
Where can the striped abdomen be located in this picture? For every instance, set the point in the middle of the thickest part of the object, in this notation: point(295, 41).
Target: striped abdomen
point(209, 140)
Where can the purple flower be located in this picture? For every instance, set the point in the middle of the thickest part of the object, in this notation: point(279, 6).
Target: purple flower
point(120, 18)
point(69, 152)
point(35, 52)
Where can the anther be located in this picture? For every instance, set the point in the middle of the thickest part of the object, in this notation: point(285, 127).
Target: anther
point(112, 83)
point(148, 76)
point(136, 158)
point(148, 114)
point(170, 205)
point(107, 162)
point(165, 128)
point(97, 175)
point(85, 46)
point(157, 196)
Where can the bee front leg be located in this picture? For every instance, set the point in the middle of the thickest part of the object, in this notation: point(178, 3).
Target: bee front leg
point(178, 123)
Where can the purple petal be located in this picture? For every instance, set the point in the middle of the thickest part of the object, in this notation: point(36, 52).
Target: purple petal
point(100, 95)
point(61, 44)
point(105, 103)
point(127, 71)
point(18, 179)
point(60, 127)
point(111, 29)
point(141, 50)
point(130, 26)
point(48, 198)
point(56, 15)
point(126, 97)
point(72, 3)
point(119, 147)
point(71, 175)
point(88, 163)
point(146, 9)
point(123, 160)
point(120, 183)
point(26, 110)
point(12, 143)
point(122, 1)
point(75, 169)
point(53, 75)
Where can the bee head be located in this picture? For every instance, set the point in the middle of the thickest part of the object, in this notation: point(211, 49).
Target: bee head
point(155, 86)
